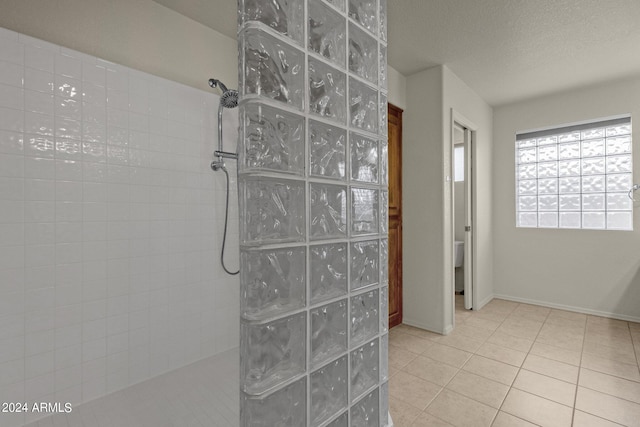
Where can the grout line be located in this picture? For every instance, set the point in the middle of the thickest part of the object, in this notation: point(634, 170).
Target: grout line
point(24, 236)
point(505, 396)
point(600, 418)
point(609, 394)
point(520, 367)
point(464, 364)
point(545, 322)
point(635, 352)
point(448, 382)
point(575, 394)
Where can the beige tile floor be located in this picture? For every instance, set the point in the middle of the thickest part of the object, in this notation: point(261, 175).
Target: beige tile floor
point(511, 365)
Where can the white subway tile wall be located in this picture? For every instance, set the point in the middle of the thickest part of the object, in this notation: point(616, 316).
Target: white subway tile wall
point(111, 224)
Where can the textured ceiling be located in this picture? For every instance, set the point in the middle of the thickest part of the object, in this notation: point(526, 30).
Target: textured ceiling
point(506, 50)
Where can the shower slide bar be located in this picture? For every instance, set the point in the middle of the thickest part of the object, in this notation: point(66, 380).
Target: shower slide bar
point(635, 187)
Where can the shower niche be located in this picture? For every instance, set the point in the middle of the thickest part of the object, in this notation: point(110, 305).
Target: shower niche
point(313, 211)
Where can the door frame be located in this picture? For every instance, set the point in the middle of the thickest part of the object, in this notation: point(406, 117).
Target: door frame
point(470, 197)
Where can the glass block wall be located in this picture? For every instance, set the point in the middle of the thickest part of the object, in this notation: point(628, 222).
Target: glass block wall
point(313, 213)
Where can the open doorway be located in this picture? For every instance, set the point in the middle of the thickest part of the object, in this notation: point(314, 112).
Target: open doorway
point(463, 254)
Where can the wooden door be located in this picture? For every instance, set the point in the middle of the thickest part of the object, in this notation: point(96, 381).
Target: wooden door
point(395, 215)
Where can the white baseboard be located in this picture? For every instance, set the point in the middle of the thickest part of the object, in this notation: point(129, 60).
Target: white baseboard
point(569, 308)
point(421, 326)
point(484, 302)
point(447, 330)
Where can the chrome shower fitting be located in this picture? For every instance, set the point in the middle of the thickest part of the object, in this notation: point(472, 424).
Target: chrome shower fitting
point(216, 165)
point(228, 99)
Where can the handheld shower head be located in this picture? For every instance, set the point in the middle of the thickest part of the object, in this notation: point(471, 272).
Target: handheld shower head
point(229, 97)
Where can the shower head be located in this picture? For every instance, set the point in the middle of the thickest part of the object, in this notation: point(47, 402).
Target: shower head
point(229, 97)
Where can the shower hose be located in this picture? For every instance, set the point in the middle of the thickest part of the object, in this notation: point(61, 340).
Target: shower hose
point(226, 220)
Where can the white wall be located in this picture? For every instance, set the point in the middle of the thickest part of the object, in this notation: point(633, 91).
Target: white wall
point(140, 34)
point(427, 197)
point(397, 85)
point(459, 97)
point(592, 271)
point(422, 192)
point(111, 225)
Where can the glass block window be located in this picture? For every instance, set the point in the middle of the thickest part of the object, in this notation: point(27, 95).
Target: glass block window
point(575, 176)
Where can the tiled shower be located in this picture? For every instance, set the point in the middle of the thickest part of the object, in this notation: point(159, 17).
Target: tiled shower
point(111, 222)
point(313, 200)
